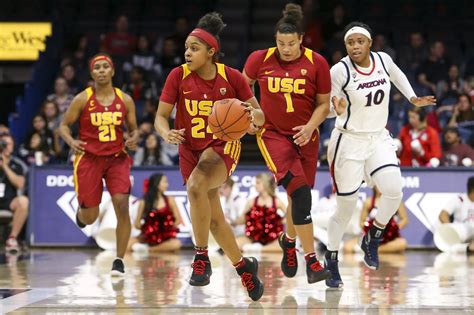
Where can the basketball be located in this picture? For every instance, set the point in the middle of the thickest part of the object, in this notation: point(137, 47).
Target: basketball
point(228, 120)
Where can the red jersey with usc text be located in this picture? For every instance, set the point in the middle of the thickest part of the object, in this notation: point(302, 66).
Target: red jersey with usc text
point(101, 127)
point(288, 89)
point(194, 98)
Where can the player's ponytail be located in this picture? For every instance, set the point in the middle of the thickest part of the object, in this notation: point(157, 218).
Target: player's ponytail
point(292, 20)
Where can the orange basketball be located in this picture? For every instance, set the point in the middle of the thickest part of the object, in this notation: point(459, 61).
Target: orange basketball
point(228, 120)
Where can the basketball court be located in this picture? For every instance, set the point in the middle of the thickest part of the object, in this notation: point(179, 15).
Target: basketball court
point(78, 282)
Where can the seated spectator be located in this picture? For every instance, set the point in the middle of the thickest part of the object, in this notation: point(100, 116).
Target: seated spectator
point(170, 56)
point(392, 241)
point(157, 219)
point(454, 85)
point(335, 25)
point(262, 217)
point(139, 88)
point(4, 130)
point(68, 72)
point(414, 54)
point(455, 152)
point(420, 142)
point(40, 126)
point(50, 111)
point(434, 69)
point(145, 59)
point(180, 34)
point(35, 151)
point(150, 154)
point(380, 44)
point(12, 183)
point(461, 209)
point(463, 112)
point(232, 205)
point(120, 43)
point(149, 111)
point(61, 95)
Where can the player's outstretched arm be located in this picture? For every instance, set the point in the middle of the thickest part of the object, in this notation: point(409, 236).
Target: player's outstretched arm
point(70, 117)
point(131, 141)
point(162, 125)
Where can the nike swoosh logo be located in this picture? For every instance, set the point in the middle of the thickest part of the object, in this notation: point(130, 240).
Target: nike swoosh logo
point(268, 72)
point(186, 92)
point(91, 108)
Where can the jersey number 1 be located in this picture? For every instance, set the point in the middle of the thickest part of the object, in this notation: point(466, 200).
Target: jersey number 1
point(289, 103)
point(378, 98)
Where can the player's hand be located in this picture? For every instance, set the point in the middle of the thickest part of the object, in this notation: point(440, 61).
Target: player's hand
point(249, 109)
point(77, 146)
point(304, 134)
point(423, 101)
point(339, 105)
point(175, 136)
point(132, 141)
point(252, 129)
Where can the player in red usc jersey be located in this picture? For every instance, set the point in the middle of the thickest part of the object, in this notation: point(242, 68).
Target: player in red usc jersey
point(206, 162)
point(100, 150)
point(295, 86)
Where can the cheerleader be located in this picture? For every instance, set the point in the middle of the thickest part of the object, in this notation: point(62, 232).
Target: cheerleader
point(263, 217)
point(157, 218)
point(392, 241)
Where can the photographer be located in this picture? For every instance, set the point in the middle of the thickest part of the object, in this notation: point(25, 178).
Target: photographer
point(12, 181)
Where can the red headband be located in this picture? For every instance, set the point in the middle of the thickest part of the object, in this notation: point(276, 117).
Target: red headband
point(206, 36)
point(98, 58)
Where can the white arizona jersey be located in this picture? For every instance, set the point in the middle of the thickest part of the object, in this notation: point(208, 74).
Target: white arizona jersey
point(367, 92)
point(462, 208)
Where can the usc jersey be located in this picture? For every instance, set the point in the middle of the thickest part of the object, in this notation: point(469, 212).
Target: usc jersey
point(288, 89)
point(101, 127)
point(194, 98)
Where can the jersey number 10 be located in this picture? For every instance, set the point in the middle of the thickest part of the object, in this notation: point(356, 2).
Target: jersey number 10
point(377, 98)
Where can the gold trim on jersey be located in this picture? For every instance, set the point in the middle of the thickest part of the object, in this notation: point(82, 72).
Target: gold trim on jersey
point(270, 52)
point(221, 70)
point(186, 71)
point(233, 148)
point(264, 151)
point(119, 93)
point(89, 92)
point(75, 165)
point(309, 54)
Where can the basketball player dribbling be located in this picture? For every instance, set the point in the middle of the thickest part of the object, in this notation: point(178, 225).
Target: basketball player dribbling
point(100, 150)
point(295, 87)
point(360, 147)
point(206, 162)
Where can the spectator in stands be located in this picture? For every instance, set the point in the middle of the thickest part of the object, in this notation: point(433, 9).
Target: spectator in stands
point(434, 70)
point(150, 154)
point(50, 111)
point(454, 85)
point(35, 151)
point(12, 183)
point(455, 152)
point(463, 112)
point(170, 56)
point(139, 88)
point(68, 72)
point(61, 95)
point(414, 54)
point(232, 204)
point(4, 130)
point(40, 126)
point(336, 24)
point(149, 110)
point(145, 59)
point(180, 34)
point(119, 44)
point(380, 44)
point(420, 142)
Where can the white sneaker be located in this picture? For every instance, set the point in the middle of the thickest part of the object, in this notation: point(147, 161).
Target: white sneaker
point(11, 245)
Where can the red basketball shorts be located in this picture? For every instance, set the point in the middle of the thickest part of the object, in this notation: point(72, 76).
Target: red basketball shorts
point(282, 155)
point(89, 170)
point(229, 152)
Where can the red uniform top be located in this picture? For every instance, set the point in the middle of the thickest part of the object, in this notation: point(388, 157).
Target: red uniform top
point(429, 141)
point(194, 98)
point(101, 127)
point(288, 89)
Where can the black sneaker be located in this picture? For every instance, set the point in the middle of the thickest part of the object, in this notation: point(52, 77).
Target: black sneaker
point(78, 222)
point(370, 247)
point(118, 269)
point(289, 262)
point(248, 275)
point(315, 271)
point(202, 271)
point(334, 281)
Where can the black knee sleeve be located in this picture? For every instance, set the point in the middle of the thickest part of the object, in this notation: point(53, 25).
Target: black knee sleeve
point(301, 205)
